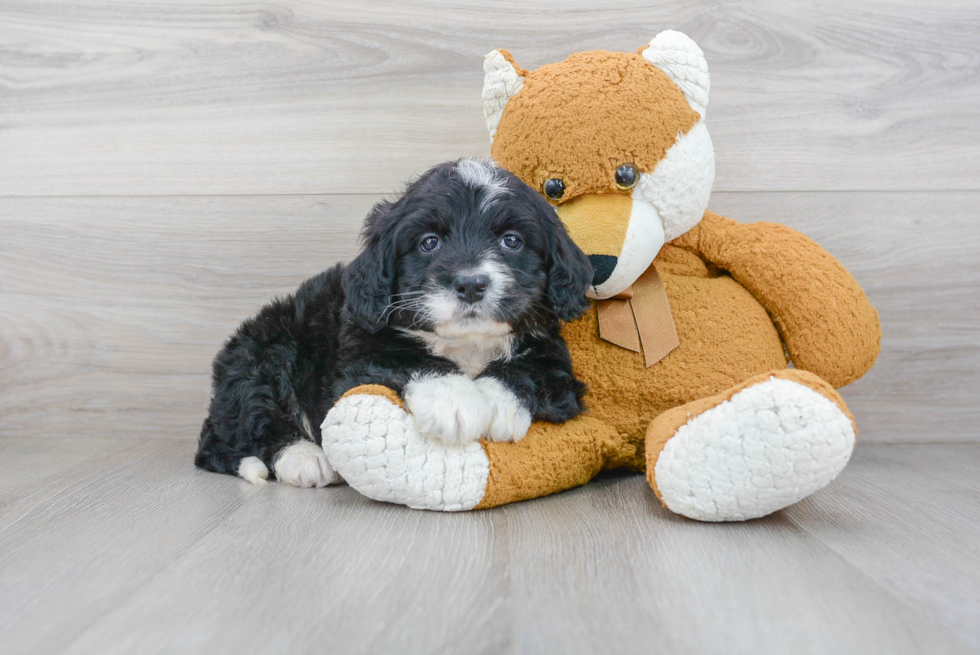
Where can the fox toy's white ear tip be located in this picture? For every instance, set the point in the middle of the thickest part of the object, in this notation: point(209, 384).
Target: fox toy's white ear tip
point(501, 81)
point(676, 54)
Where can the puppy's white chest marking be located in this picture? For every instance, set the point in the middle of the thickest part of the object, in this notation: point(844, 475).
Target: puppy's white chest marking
point(470, 352)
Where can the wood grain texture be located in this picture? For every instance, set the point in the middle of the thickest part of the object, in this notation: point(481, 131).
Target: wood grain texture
point(120, 514)
point(108, 324)
point(120, 547)
point(288, 97)
point(903, 494)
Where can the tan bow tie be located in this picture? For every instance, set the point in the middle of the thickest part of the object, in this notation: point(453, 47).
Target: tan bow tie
point(640, 316)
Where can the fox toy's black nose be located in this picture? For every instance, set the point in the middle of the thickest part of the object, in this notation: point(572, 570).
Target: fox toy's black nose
point(471, 288)
point(603, 266)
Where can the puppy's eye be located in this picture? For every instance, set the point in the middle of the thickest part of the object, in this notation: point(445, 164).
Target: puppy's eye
point(511, 242)
point(626, 176)
point(554, 188)
point(429, 243)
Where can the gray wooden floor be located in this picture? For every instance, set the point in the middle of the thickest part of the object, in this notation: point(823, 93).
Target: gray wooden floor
point(167, 167)
point(121, 546)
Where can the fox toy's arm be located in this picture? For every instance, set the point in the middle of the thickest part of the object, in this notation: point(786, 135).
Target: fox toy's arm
point(822, 315)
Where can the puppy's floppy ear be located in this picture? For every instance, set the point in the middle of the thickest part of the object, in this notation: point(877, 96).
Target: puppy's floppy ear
point(369, 280)
point(569, 269)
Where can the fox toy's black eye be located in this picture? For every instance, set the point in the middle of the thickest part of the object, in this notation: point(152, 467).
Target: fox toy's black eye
point(554, 188)
point(627, 176)
point(429, 243)
point(511, 242)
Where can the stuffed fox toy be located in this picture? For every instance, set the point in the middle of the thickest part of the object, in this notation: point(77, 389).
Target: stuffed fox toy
point(695, 322)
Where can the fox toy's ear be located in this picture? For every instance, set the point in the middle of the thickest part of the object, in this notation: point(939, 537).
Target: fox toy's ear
point(502, 79)
point(680, 57)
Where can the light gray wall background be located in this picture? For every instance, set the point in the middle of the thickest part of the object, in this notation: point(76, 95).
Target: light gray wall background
point(167, 167)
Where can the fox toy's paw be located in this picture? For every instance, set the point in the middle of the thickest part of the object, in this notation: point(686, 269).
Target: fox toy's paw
point(768, 445)
point(377, 446)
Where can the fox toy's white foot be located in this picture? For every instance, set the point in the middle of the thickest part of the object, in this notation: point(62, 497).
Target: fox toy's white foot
point(379, 450)
point(767, 447)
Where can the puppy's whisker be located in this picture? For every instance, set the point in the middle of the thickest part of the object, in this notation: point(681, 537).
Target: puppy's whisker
point(387, 317)
point(399, 305)
point(403, 301)
point(395, 296)
point(421, 314)
point(391, 309)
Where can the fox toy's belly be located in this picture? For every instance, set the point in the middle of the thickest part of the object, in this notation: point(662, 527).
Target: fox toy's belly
point(725, 337)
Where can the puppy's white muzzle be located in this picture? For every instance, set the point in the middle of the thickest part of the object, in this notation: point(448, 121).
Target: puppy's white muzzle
point(453, 316)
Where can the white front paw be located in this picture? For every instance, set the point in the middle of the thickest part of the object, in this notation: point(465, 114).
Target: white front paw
point(509, 419)
point(304, 464)
point(449, 408)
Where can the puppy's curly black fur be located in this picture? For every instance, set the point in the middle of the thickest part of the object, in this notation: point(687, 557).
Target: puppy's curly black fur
point(468, 248)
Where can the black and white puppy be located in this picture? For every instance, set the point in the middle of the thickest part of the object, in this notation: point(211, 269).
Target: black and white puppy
point(455, 303)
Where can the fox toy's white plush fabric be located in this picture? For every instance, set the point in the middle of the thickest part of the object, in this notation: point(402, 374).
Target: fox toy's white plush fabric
point(695, 320)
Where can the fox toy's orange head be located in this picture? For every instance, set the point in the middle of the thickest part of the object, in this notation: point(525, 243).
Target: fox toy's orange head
point(615, 141)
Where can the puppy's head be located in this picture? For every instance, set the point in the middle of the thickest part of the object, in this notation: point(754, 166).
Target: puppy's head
point(468, 249)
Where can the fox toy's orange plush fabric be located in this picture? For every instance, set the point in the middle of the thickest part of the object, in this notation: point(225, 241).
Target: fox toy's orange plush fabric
point(696, 320)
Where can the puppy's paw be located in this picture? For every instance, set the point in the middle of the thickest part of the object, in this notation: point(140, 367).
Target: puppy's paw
point(304, 464)
point(449, 408)
point(254, 470)
point(509, 419)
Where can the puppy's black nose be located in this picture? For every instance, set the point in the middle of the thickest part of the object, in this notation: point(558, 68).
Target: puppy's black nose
point(470, 288)
point(603, 266)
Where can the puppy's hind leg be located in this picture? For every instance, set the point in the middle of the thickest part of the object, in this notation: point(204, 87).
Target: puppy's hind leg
point(257, 426)
point(227, 455)
point(304, 464)
point(254, 470)
point(289, 457)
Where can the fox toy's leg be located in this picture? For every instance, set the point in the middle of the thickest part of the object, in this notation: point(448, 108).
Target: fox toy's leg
point(751, 450)
point(372, 441)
